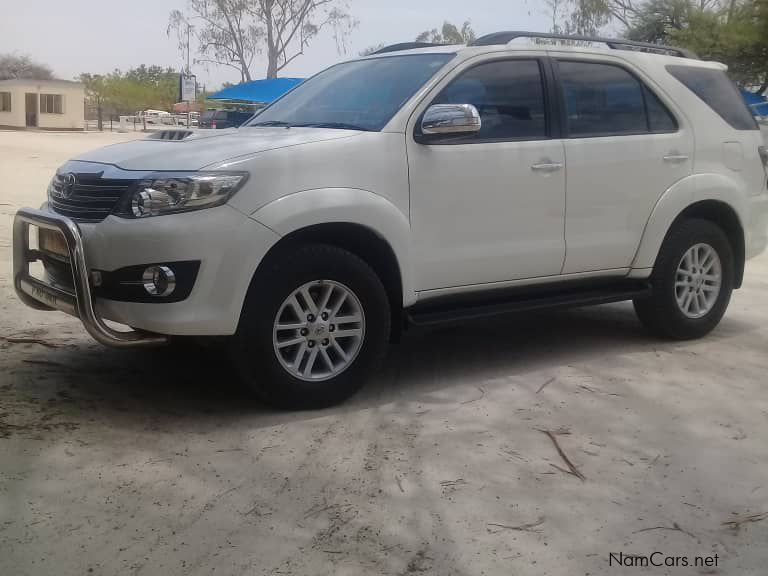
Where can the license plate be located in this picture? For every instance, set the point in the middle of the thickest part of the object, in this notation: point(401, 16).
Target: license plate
point(53, 242)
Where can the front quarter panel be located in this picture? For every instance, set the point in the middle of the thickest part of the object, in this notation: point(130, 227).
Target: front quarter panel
point(345, 205)
point(372, 161)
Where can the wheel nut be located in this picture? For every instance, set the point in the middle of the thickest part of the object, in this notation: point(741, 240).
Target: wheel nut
point(326, 342)
point(332, 328)
point(311, 343)
point(310, 318)
point(324, 315)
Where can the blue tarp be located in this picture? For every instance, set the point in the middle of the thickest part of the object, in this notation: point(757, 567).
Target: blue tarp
point(258, 91)
point(758, 104)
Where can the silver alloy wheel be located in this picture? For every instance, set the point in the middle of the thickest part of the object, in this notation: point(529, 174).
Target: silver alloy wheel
point(698, 280)
point(319, 330)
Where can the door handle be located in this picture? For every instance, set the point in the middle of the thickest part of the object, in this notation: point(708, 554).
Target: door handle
point(547, 167)
point(675, 158)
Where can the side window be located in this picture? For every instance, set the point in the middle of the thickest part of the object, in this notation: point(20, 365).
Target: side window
point(508, 94)
point(718, 92)
point(606, 100)
point(659, 118)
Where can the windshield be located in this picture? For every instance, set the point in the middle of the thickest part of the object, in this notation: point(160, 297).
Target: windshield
point(359, 95)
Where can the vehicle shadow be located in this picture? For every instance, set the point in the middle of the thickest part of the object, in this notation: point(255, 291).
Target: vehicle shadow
point(198, 386)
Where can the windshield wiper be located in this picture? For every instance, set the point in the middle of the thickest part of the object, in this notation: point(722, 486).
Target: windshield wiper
point(271, 123)
point(339, 125)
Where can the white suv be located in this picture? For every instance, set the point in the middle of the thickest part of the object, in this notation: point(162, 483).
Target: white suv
point(417, 185)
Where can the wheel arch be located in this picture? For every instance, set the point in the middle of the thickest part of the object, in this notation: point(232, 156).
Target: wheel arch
point(709, 197)
point(361, 222)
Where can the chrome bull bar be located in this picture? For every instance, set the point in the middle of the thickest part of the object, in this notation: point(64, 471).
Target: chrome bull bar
point(43, 296)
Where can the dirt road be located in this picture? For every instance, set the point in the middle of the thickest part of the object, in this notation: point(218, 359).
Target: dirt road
point(155, 462)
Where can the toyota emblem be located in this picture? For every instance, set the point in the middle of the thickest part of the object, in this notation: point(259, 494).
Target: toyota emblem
point(68, 185)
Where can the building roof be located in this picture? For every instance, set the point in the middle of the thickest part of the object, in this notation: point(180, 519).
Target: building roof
point(36, 81)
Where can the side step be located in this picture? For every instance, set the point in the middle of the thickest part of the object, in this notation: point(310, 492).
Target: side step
point(437, 313)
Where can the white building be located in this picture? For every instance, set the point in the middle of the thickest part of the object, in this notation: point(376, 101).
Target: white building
point(42, 104)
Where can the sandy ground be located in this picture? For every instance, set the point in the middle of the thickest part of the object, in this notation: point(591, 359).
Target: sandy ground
point(155, 462)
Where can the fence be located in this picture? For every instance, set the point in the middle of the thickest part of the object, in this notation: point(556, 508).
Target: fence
point(138, 123)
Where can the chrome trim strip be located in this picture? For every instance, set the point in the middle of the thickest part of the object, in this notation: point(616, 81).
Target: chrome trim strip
point(41, 296)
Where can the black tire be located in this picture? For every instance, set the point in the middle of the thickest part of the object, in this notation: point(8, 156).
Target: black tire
point(254, 352)
point(660, 312)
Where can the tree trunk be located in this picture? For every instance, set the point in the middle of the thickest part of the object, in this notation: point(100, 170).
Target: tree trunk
point(100, 121)
point(272, 63)
point(272, 51)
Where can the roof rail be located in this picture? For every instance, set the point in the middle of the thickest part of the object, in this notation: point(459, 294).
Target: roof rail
point(405, 46)
point(615, 43)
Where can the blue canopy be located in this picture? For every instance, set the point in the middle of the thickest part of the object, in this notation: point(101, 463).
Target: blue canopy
point(758, 104)
point(258, 91)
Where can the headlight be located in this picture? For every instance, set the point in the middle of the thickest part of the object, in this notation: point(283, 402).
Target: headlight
point(170, 193)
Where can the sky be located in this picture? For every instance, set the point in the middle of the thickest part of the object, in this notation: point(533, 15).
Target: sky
point(97, 36)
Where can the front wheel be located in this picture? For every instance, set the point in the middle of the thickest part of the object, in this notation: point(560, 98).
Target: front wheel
point(315, 324)
point(692, 282)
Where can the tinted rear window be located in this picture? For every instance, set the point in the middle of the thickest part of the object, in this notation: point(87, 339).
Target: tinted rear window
point(719, 92)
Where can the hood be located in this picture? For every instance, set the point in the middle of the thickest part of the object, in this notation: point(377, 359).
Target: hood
point(206, 147)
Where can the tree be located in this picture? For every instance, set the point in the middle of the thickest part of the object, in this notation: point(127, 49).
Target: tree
point(657, 20)
point(449, 34)
point(161, 83)
point(225, 31)
point(731, 31)
point(96, 93)
point(735, 35)
point(290, 25)
point(231, 32)
point(15, 66)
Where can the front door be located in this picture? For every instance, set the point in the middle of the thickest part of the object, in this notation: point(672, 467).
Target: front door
point(30, 101)
point(490, 207)
point(625, 148)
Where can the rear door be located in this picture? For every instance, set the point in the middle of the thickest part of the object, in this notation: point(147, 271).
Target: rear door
point(624, 148)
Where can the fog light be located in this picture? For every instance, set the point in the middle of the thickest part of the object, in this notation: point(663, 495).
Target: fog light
point(159, 280)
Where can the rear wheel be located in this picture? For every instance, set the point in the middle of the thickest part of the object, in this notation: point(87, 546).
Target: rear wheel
point(315, 324)
point(692, 282)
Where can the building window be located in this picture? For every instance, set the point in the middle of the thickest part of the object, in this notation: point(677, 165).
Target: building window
point(5, 101)
point(50, 104)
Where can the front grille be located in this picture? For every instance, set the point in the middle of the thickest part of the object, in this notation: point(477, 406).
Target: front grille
point(87, 197)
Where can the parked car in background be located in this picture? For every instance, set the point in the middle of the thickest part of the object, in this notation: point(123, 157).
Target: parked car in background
point(223, 118)
point(194, 118)
point(156, 116)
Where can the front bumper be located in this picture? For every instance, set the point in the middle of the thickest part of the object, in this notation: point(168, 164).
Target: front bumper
point(80, 302)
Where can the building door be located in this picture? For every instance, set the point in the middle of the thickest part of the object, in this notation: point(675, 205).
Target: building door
point(31, 109)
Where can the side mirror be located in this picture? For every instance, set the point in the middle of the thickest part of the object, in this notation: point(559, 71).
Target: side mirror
point(454, 119)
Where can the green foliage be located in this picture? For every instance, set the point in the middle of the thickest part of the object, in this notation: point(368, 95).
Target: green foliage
point(137, 89)
point(449, 34)
point(734, 32)
point(737, 37)
point(659, 20)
